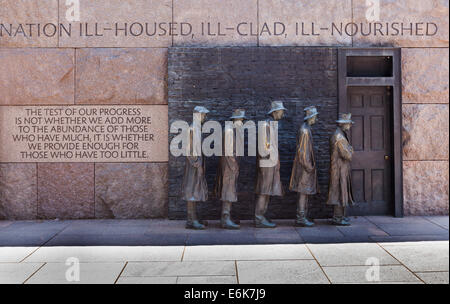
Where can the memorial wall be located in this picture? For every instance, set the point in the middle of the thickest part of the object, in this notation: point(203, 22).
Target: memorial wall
point(88, 90)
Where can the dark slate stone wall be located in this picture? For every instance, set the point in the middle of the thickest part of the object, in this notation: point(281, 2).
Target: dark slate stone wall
point(223, 79)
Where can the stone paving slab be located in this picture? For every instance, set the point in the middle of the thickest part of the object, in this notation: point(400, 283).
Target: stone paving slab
point(395, 220)
point(412, 229)
point(188, 268)
point(107, 254)
point(15, 273)
point(208, 280)
point(30, 233)
point(147, 280)
point(90, 273)
point(409, 238)
point(350, 254)
point(15, 254)
point(434, 277)
point(247, 252)
point(439, 220)
point(357, 274)
point(172, 233)
point(220, 238)
point(421, 256)
point(278, 238)
point(179, 280)
point(130, 239)
point(4, 224)
point(280, 272)
point(400, 263)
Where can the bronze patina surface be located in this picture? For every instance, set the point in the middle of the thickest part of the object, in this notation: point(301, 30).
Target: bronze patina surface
point(228, 173)
point(194, 187)
point(340, 193)
point(304, 171)
point(268, 182)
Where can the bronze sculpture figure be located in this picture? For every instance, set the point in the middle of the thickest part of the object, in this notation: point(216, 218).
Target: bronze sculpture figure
point(268, 181)
point(304, 172)
point(227, 175)
point(194, 187)
point(340, 188)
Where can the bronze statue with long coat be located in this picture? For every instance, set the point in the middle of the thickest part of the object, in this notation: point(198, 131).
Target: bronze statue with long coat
point(340, 192)
point(194, 187)
point(268, 181)
point(227, 178)
point(228, 169)
point(304, 172)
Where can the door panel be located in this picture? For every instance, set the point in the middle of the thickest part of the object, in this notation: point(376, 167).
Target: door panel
point(370, 138)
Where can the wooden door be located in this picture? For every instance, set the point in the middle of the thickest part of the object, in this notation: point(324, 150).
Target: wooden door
point(370, 137)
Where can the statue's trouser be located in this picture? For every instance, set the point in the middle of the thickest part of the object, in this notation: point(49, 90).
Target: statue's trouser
point(192, 218)
point(262, 204)
point(302, 205)
point(226, 221)
point(339, 212)
point(302, 211)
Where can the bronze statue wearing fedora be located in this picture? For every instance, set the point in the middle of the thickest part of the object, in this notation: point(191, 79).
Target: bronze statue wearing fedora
point(304, 172)
point(194, 187)
point(268, 181)
point(228, 173)
point(340, 188)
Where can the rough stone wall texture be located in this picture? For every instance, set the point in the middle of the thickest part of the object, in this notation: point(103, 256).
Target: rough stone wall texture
point(121, 76)
point(65, 191)
point(37, 76)
point(425, 135)
point(131, 190)
point(18, 191)
point(425, 75)
point(32, 12)
point(223, 79)
point(109, 12)
point(406, 12)
point(47, 70)
point(419, 122)
point(228, 13)
point(305, 14)
point(425, 187)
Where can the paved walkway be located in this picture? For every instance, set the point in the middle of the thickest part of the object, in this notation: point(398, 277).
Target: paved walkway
point(407, 250)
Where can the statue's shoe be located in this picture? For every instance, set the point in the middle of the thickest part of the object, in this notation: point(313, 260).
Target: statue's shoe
point(341, 222)
point(195, 225)
point(264, 223)
point(304, 223)
point(203, 222)
point(230, 225)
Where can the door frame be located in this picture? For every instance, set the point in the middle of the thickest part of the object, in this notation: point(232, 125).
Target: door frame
point(395, 82)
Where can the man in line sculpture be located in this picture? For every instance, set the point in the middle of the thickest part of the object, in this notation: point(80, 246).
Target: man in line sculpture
point(195, 187)
point(304, 172)
point(228, 171)
point(268, 181)
point(340, 193)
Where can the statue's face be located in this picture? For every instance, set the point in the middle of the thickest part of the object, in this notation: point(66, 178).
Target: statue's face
point(346, 127)
point(312, 120)
point(203, 117)
point(238, 121)
point(277, 115)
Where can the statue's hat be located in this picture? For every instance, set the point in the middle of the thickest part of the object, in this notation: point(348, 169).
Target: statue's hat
point(238, 114)
point(200, 109)
point(276, 106)
point(310, 112)
point(345, 118)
